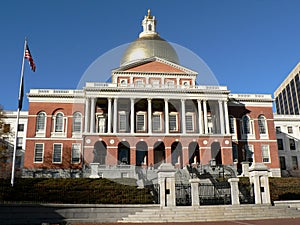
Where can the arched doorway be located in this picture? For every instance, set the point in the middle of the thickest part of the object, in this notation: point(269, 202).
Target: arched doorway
point(216, 152)
point(123, 153)
point(100, 152)
point(194, 154)
point(176, 153)
point(141, 153)
point(159, 153)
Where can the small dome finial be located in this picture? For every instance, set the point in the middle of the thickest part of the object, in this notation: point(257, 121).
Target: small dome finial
point(149, 14)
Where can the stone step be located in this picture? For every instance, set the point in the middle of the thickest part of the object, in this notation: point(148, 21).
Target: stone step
point(212, 213)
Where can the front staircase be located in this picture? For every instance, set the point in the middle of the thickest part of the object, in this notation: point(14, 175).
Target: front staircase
point(211, 213)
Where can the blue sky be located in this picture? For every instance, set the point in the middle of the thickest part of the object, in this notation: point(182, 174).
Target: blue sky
point(250, 45)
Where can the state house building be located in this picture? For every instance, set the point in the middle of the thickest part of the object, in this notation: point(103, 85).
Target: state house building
point(151, 112)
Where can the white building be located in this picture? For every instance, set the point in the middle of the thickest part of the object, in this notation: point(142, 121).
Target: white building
point(288, 140)
point(9, 120)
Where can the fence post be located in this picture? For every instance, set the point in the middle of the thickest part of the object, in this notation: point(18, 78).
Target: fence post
point(195, 191)
point(166, 180)
point(234, 190)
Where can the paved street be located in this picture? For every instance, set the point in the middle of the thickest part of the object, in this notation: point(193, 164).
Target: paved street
point(295, 221)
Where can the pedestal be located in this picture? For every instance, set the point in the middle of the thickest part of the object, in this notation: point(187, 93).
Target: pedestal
point(234, 190)
point(195, 191)
point(94, 170)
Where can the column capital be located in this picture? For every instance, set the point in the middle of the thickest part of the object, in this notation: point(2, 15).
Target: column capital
point(149, 99)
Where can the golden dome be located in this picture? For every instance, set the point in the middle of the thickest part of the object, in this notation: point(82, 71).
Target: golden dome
point(149, 44)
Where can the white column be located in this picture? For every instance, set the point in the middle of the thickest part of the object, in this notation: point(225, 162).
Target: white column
point(131, 115)
point(221, 114)
point(200, 117)
point(92, 118)
point(205, 117)
point(109, 115)
point(183, 116)
point(86, 115)
point(115, 115)
point(226, 117)
point(149, 116)
point(166, 116)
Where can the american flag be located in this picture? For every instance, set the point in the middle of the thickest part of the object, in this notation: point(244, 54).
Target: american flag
point(30, 59)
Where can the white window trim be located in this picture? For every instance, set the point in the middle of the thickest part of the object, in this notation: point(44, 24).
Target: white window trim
point(99, 117)
point(42, 152)
point(79, 153)
point(155, 83)
point(41, 133)
point(193, 121)
point(249, 148)
point(234, 134)
point(176, 127)
point(123, 82)
point(266, 135)
point(268, 153)
point(64, 126)
point(119, 121)
point(139, 83)
point(186, 84)
point(61, 155)
point(160, 121)
point(76, 133)
point(251, 135)
point(139, 113)
point(170, 83)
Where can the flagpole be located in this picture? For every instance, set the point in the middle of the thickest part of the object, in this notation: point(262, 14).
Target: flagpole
point(18, 116)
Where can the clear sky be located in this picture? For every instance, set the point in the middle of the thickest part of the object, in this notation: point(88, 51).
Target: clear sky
point(250, 45)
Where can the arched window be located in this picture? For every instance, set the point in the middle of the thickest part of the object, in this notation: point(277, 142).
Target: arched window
point(76, 125)
point(59, 122)
point(246, 125)
point(262, 124)
point(40, 122)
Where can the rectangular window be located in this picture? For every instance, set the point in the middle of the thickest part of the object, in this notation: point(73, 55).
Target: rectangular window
point(38, 153)
point(57, 153)
point(19, 142)
point(249, 153)
point(282, 162)
point(278, 130)
point(292, 144)
point(155, 83)
point(173, 125)
point(280, 144)
point(139, 83)
point(75, 153)
point(140, 121)
point(20, 127)
point(290, 130)
point(170, 83)
point(122, 121)
point(294, 162)
point(189, 122)
point(101, 124)
point(232, 124)
point(156, 122)
point(235, 152)
point(265, 153)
